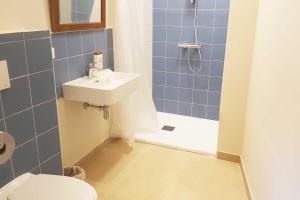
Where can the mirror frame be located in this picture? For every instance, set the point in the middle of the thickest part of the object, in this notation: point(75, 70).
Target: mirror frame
point(57, 27)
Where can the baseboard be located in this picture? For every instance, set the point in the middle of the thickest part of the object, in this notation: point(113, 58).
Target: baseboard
point(245, 179)
point(237, 159)
point(89, 155)
point(229, 157)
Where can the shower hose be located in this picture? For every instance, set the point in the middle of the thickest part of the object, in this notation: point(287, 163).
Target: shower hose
point(193, 69)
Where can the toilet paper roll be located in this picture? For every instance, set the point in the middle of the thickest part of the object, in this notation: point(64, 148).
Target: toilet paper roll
point(7, 147)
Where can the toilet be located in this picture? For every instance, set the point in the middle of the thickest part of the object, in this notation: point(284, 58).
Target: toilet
point(47, 187)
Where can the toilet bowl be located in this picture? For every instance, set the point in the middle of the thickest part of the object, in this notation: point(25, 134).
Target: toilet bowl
point(47, 187)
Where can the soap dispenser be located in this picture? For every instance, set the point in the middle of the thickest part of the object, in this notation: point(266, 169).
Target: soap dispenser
point(93, 71)
point(96, 68)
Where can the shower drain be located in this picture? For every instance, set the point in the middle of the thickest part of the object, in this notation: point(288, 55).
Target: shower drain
point(168, 128)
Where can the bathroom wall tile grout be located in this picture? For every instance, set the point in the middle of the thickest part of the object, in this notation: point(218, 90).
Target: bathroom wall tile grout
point(199, 104)
point(24, 143)
point(40, 157)
point(53, 73)
point(211, 50)
point(214, 19)
point(57, 127)
point(167, 2)
point(80, 54)
point(11, 101)
point(180, 54)
point(30, 94)
point(183, 73)
point(183, 26)
point(50, 158)
point(5, 130)
point(68, 65)
point(37, 38)
point(37, 136)
point(213, 58)
point(12, 115)
point(47, 70)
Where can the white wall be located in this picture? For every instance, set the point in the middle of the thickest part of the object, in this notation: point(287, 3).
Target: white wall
point(29, 14)
point(240, 40)
point(16, 15)
point(272, 129)
point(81, 130)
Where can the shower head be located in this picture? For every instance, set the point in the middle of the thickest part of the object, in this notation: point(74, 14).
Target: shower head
point(192, 1)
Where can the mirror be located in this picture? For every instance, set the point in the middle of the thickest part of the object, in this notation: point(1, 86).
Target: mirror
point(79, 11)
point(71, 15)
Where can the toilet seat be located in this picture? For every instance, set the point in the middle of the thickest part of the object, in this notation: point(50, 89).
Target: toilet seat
point(47, 187)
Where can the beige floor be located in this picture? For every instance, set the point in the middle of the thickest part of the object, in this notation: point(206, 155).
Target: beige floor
point(147, 172)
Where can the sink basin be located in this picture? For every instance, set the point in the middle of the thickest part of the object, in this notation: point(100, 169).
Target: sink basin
point(106, 91)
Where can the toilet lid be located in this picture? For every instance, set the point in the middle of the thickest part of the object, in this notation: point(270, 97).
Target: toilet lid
point(51, 187)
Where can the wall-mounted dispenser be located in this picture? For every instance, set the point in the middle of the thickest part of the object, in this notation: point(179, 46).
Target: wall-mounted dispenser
point(4, 76)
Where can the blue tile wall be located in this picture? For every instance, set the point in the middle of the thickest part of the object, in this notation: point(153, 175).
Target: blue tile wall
point(28, 109)
point(176, 89)
point(74, 51)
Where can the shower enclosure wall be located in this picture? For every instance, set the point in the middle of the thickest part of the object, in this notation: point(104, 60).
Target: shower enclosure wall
point(176, 89)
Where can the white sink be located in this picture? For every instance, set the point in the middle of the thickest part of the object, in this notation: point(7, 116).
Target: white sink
point(106, 91)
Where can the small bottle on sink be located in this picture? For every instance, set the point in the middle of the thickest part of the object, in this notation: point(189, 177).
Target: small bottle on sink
point(98, 60)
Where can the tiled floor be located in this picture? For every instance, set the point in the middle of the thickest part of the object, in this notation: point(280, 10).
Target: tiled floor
point(190, 133)
point(148, 172)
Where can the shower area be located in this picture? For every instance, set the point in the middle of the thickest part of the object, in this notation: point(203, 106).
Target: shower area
point(189, 42)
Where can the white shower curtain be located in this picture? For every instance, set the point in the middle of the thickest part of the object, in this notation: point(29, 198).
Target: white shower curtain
point(132, 32)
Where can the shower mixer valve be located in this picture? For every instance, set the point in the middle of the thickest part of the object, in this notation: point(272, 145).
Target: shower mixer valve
point(196, 45)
